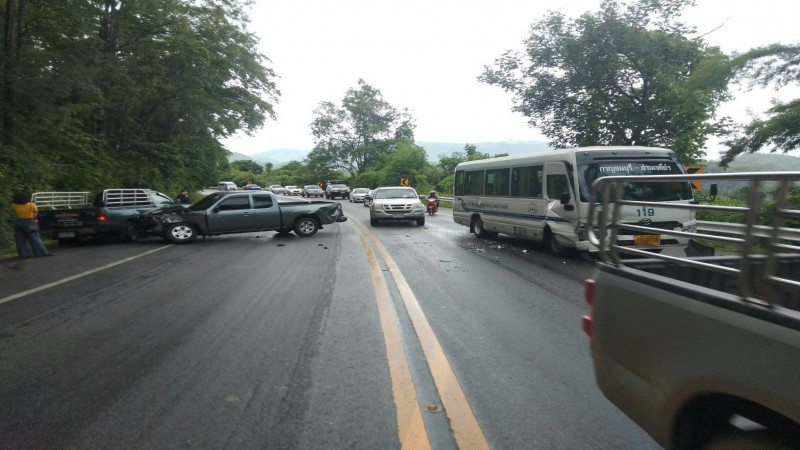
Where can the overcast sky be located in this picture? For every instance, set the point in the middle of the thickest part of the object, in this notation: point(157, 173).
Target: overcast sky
point(426, 56)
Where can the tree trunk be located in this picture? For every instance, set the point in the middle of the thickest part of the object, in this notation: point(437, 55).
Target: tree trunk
point(11, 47)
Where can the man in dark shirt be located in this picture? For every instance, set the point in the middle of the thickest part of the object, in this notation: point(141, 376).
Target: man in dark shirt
point(184, 197)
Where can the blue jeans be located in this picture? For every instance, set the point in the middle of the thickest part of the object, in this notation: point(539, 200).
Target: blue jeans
point(25, 237)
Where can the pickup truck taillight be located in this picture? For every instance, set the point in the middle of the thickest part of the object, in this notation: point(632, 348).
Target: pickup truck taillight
point(588, 297)
point(102, 219)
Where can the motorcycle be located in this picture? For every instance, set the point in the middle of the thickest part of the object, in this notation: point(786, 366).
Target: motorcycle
point(433, 206)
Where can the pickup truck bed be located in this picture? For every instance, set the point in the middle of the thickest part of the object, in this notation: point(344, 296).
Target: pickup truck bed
point(703, 352)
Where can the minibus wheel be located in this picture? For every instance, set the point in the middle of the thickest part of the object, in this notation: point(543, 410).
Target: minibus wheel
point(480, 231)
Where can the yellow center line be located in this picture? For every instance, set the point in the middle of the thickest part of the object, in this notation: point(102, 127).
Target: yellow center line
point(80, 275)
point(466, 430)
point(410, 426)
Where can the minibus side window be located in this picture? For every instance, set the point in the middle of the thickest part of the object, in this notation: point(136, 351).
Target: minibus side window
point(497, 182)
point(473, 182)
point(526, 181)
point(458, 185)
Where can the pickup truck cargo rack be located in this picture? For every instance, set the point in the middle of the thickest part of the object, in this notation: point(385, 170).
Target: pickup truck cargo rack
point(126, 197)
point(754, 277)
point(61, 200)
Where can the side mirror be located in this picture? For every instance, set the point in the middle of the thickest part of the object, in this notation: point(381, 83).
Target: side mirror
point(565, 198)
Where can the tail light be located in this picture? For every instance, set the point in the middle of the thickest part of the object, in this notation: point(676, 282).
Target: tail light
point(102, 219)
point(588, 297)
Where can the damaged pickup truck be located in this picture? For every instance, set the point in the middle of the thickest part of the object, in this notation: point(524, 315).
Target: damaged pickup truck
point(239, 212)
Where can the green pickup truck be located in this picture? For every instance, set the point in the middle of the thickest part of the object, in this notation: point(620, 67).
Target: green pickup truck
point(701, 352)
point(113, 213)
point(239, 212)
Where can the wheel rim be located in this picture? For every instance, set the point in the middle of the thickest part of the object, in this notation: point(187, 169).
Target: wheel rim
point(306, 226)
point(181, 232)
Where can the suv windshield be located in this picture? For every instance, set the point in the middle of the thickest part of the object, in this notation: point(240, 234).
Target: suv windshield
point(654, 192)
point(395, 193)
point(338, 186)
point(360, 191)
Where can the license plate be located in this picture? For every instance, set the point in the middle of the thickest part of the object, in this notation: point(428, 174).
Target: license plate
point(648, 239)
point(398, 215)
point(67, 234)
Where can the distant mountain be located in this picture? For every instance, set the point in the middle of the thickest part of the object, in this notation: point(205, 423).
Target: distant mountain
point(434, 149)
point(753, 162)
point(240, 157)
point(281, 155)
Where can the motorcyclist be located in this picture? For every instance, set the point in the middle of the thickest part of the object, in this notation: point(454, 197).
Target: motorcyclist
point(433, 195)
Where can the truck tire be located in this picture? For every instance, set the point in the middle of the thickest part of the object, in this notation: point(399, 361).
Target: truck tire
point(421, 222)
point(480, 231)
point(306, 226)
point(181, 233)
point(130, 232)
point(373, 222)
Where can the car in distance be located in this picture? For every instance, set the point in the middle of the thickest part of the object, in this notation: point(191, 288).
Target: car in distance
point(396, 203)
point(368, 197)
point(277, 189)
point(292, 190)
point(337, 190)
point(226, 186)
point(312, 190)
point(357, 195)
point(252, 187)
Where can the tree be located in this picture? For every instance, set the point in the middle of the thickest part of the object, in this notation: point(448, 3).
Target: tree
point(120, 93)
point(777, 65)
point(268, 171)
point(248, 165)
point(620, 76)
point(357, 135)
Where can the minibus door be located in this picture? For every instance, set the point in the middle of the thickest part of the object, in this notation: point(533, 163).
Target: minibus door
point(562, 211)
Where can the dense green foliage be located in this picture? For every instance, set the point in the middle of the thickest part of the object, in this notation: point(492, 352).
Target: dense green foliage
point(776, 65)
point(620, 76)
point(118, 93)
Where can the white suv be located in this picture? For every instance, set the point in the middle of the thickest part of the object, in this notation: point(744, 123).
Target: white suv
point(292, 190)
point(396, 203)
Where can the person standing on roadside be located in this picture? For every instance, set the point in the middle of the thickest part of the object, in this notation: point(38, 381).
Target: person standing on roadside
point(184, 197)
point(26, 230)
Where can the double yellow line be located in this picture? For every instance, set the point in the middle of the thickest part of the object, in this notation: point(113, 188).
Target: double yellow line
point(410, 426)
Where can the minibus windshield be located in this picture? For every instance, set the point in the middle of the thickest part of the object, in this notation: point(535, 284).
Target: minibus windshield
point(647, 191)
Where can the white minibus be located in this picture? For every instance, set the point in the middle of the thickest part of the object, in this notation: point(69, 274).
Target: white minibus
point(545, 196)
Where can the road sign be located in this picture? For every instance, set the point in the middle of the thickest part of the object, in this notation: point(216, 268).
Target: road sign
point(692, 170)
point(403, 181)
point(319, 183)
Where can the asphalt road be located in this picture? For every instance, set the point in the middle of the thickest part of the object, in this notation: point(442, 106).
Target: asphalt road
point(265, 341)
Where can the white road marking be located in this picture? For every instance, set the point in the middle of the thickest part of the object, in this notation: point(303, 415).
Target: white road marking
point(80, 275)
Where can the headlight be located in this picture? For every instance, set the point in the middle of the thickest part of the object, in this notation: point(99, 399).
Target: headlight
point(376, 206)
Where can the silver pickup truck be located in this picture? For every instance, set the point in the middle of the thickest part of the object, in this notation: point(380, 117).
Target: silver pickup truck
point(239, 212)
point(701, 352)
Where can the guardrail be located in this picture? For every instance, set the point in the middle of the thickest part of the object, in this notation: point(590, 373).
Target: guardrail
point(605, 223)
point(442, 199)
